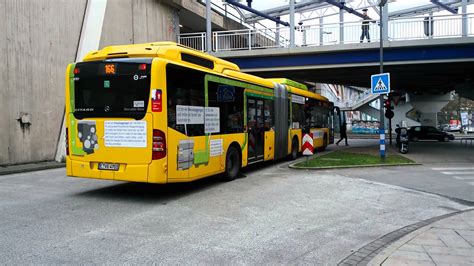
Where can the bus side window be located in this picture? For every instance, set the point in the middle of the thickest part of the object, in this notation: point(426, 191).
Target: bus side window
point(184, 87)
point(298, 115)
point(230, 100)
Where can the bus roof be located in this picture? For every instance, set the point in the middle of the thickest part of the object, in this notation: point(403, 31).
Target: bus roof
point(290, 82)
point(168, 50)
point(308, 94)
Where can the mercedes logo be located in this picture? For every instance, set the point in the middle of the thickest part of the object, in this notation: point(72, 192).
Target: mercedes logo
point(106, 108)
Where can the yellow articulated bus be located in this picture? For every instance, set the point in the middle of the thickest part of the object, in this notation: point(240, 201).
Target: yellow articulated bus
point(162, 113)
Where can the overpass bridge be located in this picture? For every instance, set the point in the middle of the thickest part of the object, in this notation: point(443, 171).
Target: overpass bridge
point(437, 62)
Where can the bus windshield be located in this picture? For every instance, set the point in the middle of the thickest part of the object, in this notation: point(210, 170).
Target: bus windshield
point(112, 88)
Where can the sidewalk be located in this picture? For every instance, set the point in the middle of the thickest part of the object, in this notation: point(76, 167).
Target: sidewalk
point(30, 167)
point(446, 242)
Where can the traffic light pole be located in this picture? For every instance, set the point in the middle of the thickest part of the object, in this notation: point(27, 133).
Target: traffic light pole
point(382, 120)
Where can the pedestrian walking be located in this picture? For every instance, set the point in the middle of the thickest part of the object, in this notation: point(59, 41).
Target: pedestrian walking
point(343, 134)
point(365, 26)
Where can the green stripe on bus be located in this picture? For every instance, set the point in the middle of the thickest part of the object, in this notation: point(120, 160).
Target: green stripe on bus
point(259, 95)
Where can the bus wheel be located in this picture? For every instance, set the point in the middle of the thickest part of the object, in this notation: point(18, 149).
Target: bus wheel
point(294, 149)
point(232, 164)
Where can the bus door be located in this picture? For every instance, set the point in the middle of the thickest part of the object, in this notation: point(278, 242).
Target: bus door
point(255, 128)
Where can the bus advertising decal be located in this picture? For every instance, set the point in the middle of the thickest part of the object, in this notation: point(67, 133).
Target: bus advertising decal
point(156, 100)
point(87, 134)
point(132, 134)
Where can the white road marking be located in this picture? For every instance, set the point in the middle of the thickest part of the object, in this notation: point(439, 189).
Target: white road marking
point(471, 183)
point(464, 177)
point(457, 173)
point(452, 168)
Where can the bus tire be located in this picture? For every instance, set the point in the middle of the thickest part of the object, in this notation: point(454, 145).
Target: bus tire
point(294, 149)
point(233, 163)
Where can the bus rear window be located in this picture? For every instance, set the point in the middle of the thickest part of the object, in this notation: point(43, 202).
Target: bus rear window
point(112, 88)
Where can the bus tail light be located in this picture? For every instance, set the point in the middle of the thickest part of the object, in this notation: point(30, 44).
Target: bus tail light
point(67, 142)
point(159, 144)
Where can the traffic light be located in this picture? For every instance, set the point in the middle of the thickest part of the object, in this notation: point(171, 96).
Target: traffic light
point(388, 109)
point(388, 104)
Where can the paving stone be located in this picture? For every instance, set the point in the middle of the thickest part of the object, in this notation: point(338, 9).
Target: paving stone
point(396, 262)
point(451, 238)
point(450, 251)
point(410, 255)
point(454, 223)
point(468, 235)
point(412, 247)
point(427, 242)
point(452, 259)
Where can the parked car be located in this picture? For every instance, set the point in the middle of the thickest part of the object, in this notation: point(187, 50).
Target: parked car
point(429, 133)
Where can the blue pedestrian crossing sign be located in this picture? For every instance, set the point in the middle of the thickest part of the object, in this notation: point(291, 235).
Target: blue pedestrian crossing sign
point(380, 83)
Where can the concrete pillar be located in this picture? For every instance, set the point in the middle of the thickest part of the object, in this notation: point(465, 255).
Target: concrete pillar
point(292, 23)
point(89, 40)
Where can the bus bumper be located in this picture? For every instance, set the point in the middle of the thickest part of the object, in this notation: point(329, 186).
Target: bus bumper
point(155, 172)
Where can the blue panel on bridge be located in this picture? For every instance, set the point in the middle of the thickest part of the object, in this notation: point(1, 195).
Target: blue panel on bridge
point(358, 56)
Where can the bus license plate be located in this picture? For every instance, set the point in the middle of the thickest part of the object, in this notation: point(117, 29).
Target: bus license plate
point(109, 166)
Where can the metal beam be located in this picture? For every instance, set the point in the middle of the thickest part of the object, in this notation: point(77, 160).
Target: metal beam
point(284, 10)
point(237, 4)
point(348, 9)
point(448, 8)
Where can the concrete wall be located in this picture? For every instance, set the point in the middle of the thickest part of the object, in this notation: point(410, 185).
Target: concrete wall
point(37, 40)
point(139, 21)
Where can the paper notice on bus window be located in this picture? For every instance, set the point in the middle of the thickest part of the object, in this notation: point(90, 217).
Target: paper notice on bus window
point(212, 120)
point(189, 115)
point(130, 134)
point(297, 99)
point(216, 147)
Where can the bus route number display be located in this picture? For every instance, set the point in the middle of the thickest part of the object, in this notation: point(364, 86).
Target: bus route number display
point(109, 69)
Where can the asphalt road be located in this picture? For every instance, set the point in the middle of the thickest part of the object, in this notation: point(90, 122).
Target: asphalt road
point(447, 169)
point(272, 215)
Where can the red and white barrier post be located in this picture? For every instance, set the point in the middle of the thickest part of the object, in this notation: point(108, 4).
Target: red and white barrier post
point(307, 147)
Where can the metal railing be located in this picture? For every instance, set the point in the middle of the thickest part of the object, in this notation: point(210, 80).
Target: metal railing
point(194, 40)
point(448, 26)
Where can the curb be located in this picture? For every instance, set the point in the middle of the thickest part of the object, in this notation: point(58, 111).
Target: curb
point(23, 168)
point(293, 166)
point(377, 251)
